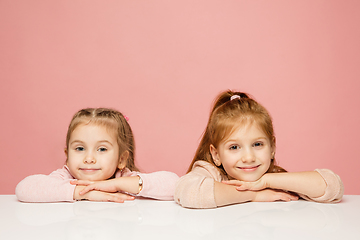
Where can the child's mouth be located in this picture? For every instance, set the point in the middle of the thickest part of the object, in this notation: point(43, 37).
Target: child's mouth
point(89, 170)
point(249, 168)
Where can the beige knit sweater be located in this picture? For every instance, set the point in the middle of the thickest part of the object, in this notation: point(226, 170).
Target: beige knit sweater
point(196, 189)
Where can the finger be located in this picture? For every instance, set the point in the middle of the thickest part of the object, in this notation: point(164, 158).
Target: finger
point(246, 186)
point(233, 182)
point(81, 182)
point(282, 197)
point(288, 197)
point(125, 196)
point(110, 198)
point(242, 188)
point(88, 188)
point(293, 198)
point(73, 182)
point(115, 199)
point(121, 197)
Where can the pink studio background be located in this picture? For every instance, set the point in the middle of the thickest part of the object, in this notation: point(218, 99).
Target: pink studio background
point(163, 62)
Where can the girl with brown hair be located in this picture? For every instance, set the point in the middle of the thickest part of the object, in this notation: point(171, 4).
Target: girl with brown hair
point(100, 165)
point(235, 162)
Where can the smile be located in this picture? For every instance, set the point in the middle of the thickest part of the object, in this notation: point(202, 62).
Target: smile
point(249, 168)
point(89, 170)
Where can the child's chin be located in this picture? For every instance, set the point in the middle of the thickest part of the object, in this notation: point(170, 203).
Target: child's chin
point(250, 179)
point(89, 178)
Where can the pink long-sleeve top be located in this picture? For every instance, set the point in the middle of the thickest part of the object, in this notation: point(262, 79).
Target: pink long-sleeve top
point(196, 189)
point(56, 187)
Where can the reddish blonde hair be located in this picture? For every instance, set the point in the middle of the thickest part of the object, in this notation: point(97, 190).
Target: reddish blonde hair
point(228, 115)
point(115, 122)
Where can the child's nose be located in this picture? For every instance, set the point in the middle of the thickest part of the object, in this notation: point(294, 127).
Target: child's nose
point(248, 156)
point(89, 158)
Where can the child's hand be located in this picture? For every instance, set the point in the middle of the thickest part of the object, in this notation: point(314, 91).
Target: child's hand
point(122, 184)
point(101, 196)
point(271, 195)
point(253, 186)
point(104, 186)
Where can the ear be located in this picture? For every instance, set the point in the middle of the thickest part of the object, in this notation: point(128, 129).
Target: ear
point(66, 154)
point(123, 159)
point(273, 148)
point(215, 155)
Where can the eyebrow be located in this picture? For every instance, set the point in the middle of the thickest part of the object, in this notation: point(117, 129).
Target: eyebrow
point(105, 141)
point(102, 141)
point(76, 141)
point(255, 139)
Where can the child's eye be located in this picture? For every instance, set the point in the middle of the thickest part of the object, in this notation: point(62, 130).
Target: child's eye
point(79, 149)
point(102, 149)
point(234, 147)
point(258, 144)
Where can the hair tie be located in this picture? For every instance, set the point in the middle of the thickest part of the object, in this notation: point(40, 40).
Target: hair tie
point(126, 117)
point(234, 97)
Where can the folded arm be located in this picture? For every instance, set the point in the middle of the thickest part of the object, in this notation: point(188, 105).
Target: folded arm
point(44, 188)
point(201, 188)
point(157, 185)
point(310, 183)
point(321, 185)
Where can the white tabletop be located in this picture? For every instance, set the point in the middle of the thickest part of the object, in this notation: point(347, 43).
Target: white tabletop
point(150, 219)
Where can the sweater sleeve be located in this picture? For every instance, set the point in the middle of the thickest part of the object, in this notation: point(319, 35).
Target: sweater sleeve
point(196, 189)
point(334, 188)
point(158, 185)
point(55, 187)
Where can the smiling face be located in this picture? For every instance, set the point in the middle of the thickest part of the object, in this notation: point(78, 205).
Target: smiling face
point(245, 155)
point(93, 153)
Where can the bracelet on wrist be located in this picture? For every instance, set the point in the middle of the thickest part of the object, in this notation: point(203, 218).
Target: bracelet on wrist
point(140, 184)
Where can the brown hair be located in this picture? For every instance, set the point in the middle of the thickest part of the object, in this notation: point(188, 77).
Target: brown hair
point(226, 116)
point(113, 120)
